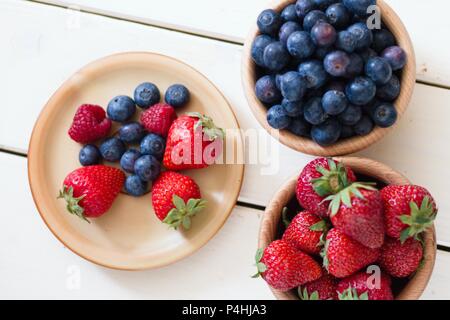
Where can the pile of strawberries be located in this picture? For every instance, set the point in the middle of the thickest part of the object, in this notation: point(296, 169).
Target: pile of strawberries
point(347, 226)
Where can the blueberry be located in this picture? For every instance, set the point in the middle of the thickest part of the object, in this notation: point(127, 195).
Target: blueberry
point(346, 41)
point(396, 57)
point(259, 44)
point(312, 18)
point(314, 112)
point(293, 86)
point(177, 95)
point(289, 13)
point(131, 132)
point(121, 108)
point(128, 159)
point(286, 30)
point(276, 57)
point(351, 115)
point(267, 91)
point(360, 91)
point(146, 95)
point(89, 155)
point(278, 118)
point(364, 126)
point(356, 66)
point(112, 149)
point(300, 45)
point(269, 22)
point(359, 7)
point(338, 15)
point(363, 35)
point(303, 7)
point(336, 63)
point(323, 4)
point(323, 34)
point(370, 107)
point(300, 127)
point(382, 39)
point(391, 90)
point(327, 133)
point(334, 102)
point(153, 145)
point(135, 187)
point(367, 53)
point(347, 132)
point(314, 73)
point(292, 108)
point(379, 70)
point(384, 115)
point(147, 168)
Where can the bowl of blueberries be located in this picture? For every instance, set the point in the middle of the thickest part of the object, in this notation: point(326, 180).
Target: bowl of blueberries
point(328, 77)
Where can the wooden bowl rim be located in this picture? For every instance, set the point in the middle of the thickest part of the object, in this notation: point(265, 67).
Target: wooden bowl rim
point(347, 146)
point(270, 219)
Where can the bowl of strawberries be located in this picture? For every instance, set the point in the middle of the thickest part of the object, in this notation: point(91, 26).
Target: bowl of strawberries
point(348, 229)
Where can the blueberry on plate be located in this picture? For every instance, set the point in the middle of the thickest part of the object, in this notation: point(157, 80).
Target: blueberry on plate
point(347, 132)
point(287, 29)
point(385, 115)
point(326, 133)
point(379, 70)
point(121, 108)
point(356, 66)
point(132, 132)
point(336, 63)
point(303, 7)
point(338, 15)
point(177, 96)
point(360, 91)
point(314, 73)
point(89, 155)
point(334, 102)
point(112, 149)
point(128, 159)
point(351, 115)
point(396, 57)
point(289, 13)
point(269, 22)
point(154, 145)
point(300, 127)
point(259, 44)
point(364, 126)
point(346, 41)
point(292, 108)
point(300, 45)
point(382, 39)
point(363, 35)
point(313, 111)
point(359, 7)
point(278, 118)
point(275, 56)
point(135, 187)
point(323, 34)
point(267, 91)
point(390, 91)
point(147, 168)
point(293, 86)
point(312, 18)
point(146, 95)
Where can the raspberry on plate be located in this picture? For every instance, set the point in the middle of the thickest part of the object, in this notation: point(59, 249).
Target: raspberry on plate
point(158, 119)
point(89, 124)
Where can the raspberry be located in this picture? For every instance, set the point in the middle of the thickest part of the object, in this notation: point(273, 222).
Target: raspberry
point(158, 119)
point(89, 124)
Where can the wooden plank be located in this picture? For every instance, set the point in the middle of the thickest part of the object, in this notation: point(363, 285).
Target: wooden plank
point(438, 286)
point(231, 20)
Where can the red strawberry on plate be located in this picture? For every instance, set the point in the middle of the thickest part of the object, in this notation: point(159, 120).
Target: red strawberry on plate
point(319, 179)
point(343, 256)
point(401, 260)
point(89, 124)
point(284, 267)
point(321, 289)
point(193, 142)
point(91, 191)
point(363, 286)
point(158, 119)
point(176, 199)
point(357, 211)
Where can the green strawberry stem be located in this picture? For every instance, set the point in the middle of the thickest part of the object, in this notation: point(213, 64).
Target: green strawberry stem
point(73, 204)
point(261, 267)
point(420, 219)
point(183, 212)
point(321, 226)
point(332, 180)
point(211, 131)
point(352, 294)
point(304, 295)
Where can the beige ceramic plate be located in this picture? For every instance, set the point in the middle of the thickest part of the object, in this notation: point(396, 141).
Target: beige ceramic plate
point(129, 236)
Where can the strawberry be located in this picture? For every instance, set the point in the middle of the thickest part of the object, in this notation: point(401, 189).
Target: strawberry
point(357, 211)
point(284, 267)
point(343, 256)
point(193, 142)
point(363, 286)
point(176, 199)
point(89, 124)
point(158, 119)
point(319, 179)
point(306, 232)
point(409, 211)
point(401, 260)
point(91, 191)
point(321, 289)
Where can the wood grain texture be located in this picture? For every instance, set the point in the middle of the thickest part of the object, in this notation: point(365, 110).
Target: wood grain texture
point(415, 287)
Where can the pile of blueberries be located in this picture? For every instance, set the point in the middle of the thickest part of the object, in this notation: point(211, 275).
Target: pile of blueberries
point(143, 162)
point(323, 73)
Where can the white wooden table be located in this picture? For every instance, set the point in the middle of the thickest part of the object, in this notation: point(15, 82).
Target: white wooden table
point(43, 43)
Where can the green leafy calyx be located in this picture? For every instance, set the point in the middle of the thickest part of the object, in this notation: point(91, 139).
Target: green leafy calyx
point(261, 267)
point(352, 294)
point(420, 219)
point(304, 295)
point(73, 204)
point(211, 131)
point(183, 212)
point(332, 180)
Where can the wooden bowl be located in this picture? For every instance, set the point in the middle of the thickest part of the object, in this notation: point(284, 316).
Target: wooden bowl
point(347, 146)
point(380, 172)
